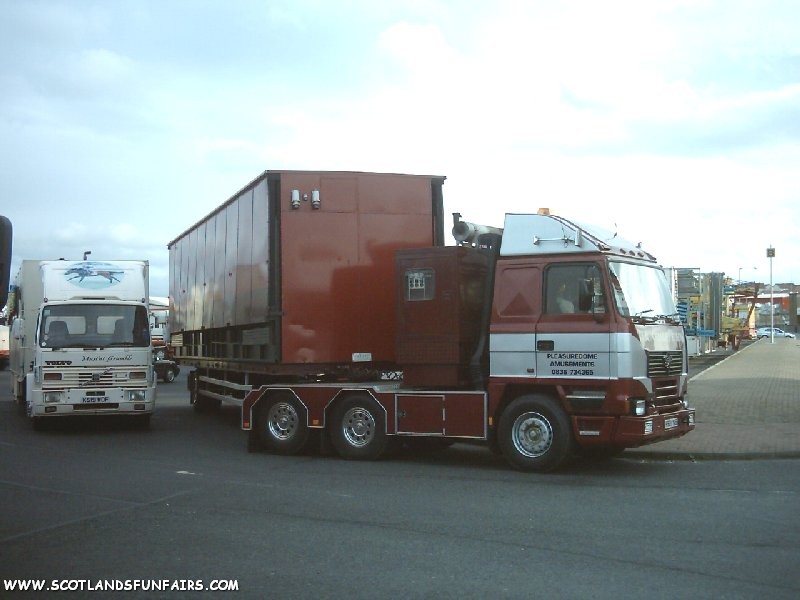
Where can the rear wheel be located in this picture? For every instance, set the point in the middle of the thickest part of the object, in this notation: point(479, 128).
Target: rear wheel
point(358, 428)
point(535, 435)
point(199, 402)
point(281, 424)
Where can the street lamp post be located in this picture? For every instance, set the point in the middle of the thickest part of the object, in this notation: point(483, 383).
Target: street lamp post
point(770, 256)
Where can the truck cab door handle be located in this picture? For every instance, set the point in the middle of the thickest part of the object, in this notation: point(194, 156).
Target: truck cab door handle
point(545, 345)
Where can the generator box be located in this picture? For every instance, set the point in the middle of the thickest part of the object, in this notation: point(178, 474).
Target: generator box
point(440, 294)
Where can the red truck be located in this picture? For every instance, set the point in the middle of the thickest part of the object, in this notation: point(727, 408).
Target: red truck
point(327, 306)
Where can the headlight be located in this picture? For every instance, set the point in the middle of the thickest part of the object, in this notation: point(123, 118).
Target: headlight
point(52, 397)
point(638, 406)
point(648, 427)
point(137, 395)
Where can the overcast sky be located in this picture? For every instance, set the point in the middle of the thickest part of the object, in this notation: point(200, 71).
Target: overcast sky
point(122, 123)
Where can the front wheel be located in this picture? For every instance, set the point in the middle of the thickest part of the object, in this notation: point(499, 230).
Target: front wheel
point(281, 424)
point(535, 434)
point(358, 428)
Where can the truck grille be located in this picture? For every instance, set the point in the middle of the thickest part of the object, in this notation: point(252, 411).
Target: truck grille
point(665, 395)
point(92, 378)
point(664, 364)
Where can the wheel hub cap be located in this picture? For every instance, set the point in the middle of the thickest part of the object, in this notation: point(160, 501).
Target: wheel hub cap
point(532, 434)
point(358, 427)
point(282, 421)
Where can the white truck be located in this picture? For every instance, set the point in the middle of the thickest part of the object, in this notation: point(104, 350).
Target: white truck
point(80, 339)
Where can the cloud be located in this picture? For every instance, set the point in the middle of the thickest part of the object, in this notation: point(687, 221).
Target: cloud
point(713, 126)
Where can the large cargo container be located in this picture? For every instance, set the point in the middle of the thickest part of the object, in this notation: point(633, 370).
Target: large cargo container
point(295, 273)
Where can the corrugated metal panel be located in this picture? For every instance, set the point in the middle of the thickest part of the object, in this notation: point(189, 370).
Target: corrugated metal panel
point(208, 252)
point(231, 252)
point(218, 275)
point(244, 261)
point(259, 261)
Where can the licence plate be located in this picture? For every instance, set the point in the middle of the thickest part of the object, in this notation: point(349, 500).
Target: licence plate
point(671, 423)
point(94, 399)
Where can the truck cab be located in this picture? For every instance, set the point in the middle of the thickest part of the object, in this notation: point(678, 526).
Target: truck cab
point(81, 340)
point(581, 333)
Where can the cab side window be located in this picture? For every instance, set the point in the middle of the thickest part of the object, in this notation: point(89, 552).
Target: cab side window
point(574, 289)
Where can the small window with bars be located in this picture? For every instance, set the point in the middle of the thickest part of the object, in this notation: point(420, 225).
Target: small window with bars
point(420, 285)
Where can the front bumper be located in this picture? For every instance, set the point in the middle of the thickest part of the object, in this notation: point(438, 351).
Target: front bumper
point(630, 431)
point(109, 401)
point(638, 431)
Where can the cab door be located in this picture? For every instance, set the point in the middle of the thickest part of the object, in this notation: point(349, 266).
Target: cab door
point(573, 330)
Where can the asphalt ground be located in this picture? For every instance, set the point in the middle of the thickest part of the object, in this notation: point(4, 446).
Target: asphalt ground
point(747, 405)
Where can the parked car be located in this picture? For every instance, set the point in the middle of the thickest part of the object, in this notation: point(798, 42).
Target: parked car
point(763, 332)
point(166, 370)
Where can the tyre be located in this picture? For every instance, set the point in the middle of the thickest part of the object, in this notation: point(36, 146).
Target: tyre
point(200, 403)
point(281, 424)
point(358, 428)
point(535, 434)
point(169, 376)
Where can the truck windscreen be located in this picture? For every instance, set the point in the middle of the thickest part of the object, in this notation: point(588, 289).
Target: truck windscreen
point(641, 291)
point(93, 326)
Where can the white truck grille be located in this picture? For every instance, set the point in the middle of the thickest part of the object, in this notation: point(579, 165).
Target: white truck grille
point(91, 378)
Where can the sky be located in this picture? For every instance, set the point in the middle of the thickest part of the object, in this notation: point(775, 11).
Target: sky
point(677, 124)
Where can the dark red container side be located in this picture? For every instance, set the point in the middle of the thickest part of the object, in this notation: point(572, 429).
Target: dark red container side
point(440, 294)
point(273, 276)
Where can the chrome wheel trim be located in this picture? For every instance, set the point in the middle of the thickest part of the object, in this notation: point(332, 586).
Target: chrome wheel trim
point(283, 421)
point(358, 427)
point(532, 434)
